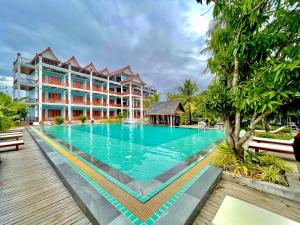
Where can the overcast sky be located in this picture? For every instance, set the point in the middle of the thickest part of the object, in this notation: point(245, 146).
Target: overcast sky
point(161, 40)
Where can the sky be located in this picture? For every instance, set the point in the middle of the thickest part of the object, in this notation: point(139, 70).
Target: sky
point(160, 40)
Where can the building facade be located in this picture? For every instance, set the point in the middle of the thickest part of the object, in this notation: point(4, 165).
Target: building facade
point(53, 88)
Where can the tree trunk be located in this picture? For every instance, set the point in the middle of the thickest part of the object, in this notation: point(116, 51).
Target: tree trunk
point(190, 116)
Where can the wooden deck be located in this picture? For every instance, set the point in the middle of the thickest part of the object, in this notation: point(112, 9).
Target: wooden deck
point(270, 202)
point(32, 193)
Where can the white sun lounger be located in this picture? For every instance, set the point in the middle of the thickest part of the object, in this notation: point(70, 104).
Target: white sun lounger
point(234, 211)
point(273, 141)
point(10, 133)
point(11, 143)
point(279, 148)
point(10, 136)
point(17, 129)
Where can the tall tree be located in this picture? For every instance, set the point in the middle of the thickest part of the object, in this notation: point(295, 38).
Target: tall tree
point(187, 94)
point(255, 59)
point(152, 99)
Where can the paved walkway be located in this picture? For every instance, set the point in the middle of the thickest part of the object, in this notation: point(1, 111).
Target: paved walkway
point(32, 193)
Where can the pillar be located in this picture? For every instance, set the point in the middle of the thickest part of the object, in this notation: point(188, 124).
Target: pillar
point(130, 101)
point(142, 103)
point(91, 96)
point(69, 92)
point(40, 80)
point(107, 100)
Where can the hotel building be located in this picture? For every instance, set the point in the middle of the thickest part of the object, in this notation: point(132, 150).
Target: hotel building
point(53, 88)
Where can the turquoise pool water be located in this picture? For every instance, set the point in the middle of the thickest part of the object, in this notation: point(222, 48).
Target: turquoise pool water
point(142, 152)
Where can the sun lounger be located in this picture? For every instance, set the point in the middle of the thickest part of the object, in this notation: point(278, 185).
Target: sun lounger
point(279, 148)
point(10, 133)
point(10, 136)
point(234, 211)
point(273, 141)
point(11, 143)
point(17, 129)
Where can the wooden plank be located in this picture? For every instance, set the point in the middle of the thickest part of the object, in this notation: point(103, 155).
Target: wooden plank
point(31, 192)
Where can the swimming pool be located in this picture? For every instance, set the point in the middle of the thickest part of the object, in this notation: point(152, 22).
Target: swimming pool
point(141, 152)
point(139, 170)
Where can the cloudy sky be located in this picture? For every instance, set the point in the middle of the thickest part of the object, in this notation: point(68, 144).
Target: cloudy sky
point(161, 40)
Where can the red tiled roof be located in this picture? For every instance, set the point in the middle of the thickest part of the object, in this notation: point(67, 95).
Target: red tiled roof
point(134, 78)
point(122, 70)
point(90, 67)
point(103, 71)
point(74, 60)
point(51, 52)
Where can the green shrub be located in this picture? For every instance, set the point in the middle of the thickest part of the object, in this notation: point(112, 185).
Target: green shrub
point(269, 160)
point(255, 165)
point(282, 136)
point(59, 120)
point(82, 118)
point(273, 174)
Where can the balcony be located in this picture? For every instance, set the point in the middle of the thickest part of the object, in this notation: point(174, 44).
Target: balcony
point(78, 86)
point(99, 103)
point(99, 89)
point(28, 81)
point(30, 100)
point(115, 92)
point(51, 100)
point(115, 105)
point(136, 93)
point(55, 82)
point(79, 102)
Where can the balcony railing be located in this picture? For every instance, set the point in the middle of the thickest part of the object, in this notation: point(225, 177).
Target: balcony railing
point(78, 86)
point(99, 103)
point(99, 89)
point(50, 100)
point(78, 102)
point(136, 93)
point(30, 100)
point(115, 92)
point(27, 81)
point(116, 105)
point(55, 82)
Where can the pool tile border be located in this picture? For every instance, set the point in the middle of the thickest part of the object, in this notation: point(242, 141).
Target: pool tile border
point(166, 178)
point(142, 219)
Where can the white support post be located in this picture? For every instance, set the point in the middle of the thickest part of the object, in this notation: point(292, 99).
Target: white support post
point(91, 96)
point(107, 100)
point(18, 77)
point(40, 73)
point(142, 103)
point(69, 93)
point(121, 98)
point(130, 101)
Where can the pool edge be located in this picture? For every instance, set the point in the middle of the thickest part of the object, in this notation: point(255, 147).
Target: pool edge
point(93, 215)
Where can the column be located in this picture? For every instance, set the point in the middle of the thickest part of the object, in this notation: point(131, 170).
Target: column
point(107, 100)
point(142, 102)
point(40, 74)
point(69, 92)
point(121, 98)
point(91, 96)
point(130, 101)
point(18, 76)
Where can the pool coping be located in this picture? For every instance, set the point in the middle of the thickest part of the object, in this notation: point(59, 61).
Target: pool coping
point(100, 211)
point(137, 188)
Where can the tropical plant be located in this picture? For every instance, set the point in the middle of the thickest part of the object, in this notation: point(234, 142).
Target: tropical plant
point(152, 99)
point(254, 165)
point(187, 95)
point(255, 57)
point(59, 120)
point(10, 111)
point(122, 115)
point(82, 118)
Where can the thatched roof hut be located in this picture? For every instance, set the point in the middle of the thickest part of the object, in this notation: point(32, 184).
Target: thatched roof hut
point(166, 113)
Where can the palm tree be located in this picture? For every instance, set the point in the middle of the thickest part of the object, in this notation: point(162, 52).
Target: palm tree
point(187, 94)
point(152, 99)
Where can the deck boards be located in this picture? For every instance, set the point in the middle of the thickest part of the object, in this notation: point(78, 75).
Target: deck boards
point(32, 193)
point(270, 202)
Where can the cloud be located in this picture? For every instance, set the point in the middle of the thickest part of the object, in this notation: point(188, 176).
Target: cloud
point(161, 40)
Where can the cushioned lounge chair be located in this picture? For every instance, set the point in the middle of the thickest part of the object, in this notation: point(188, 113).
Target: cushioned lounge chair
point(11, 143)
point(278, 148)
point(234, 211)
point(273, 141)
